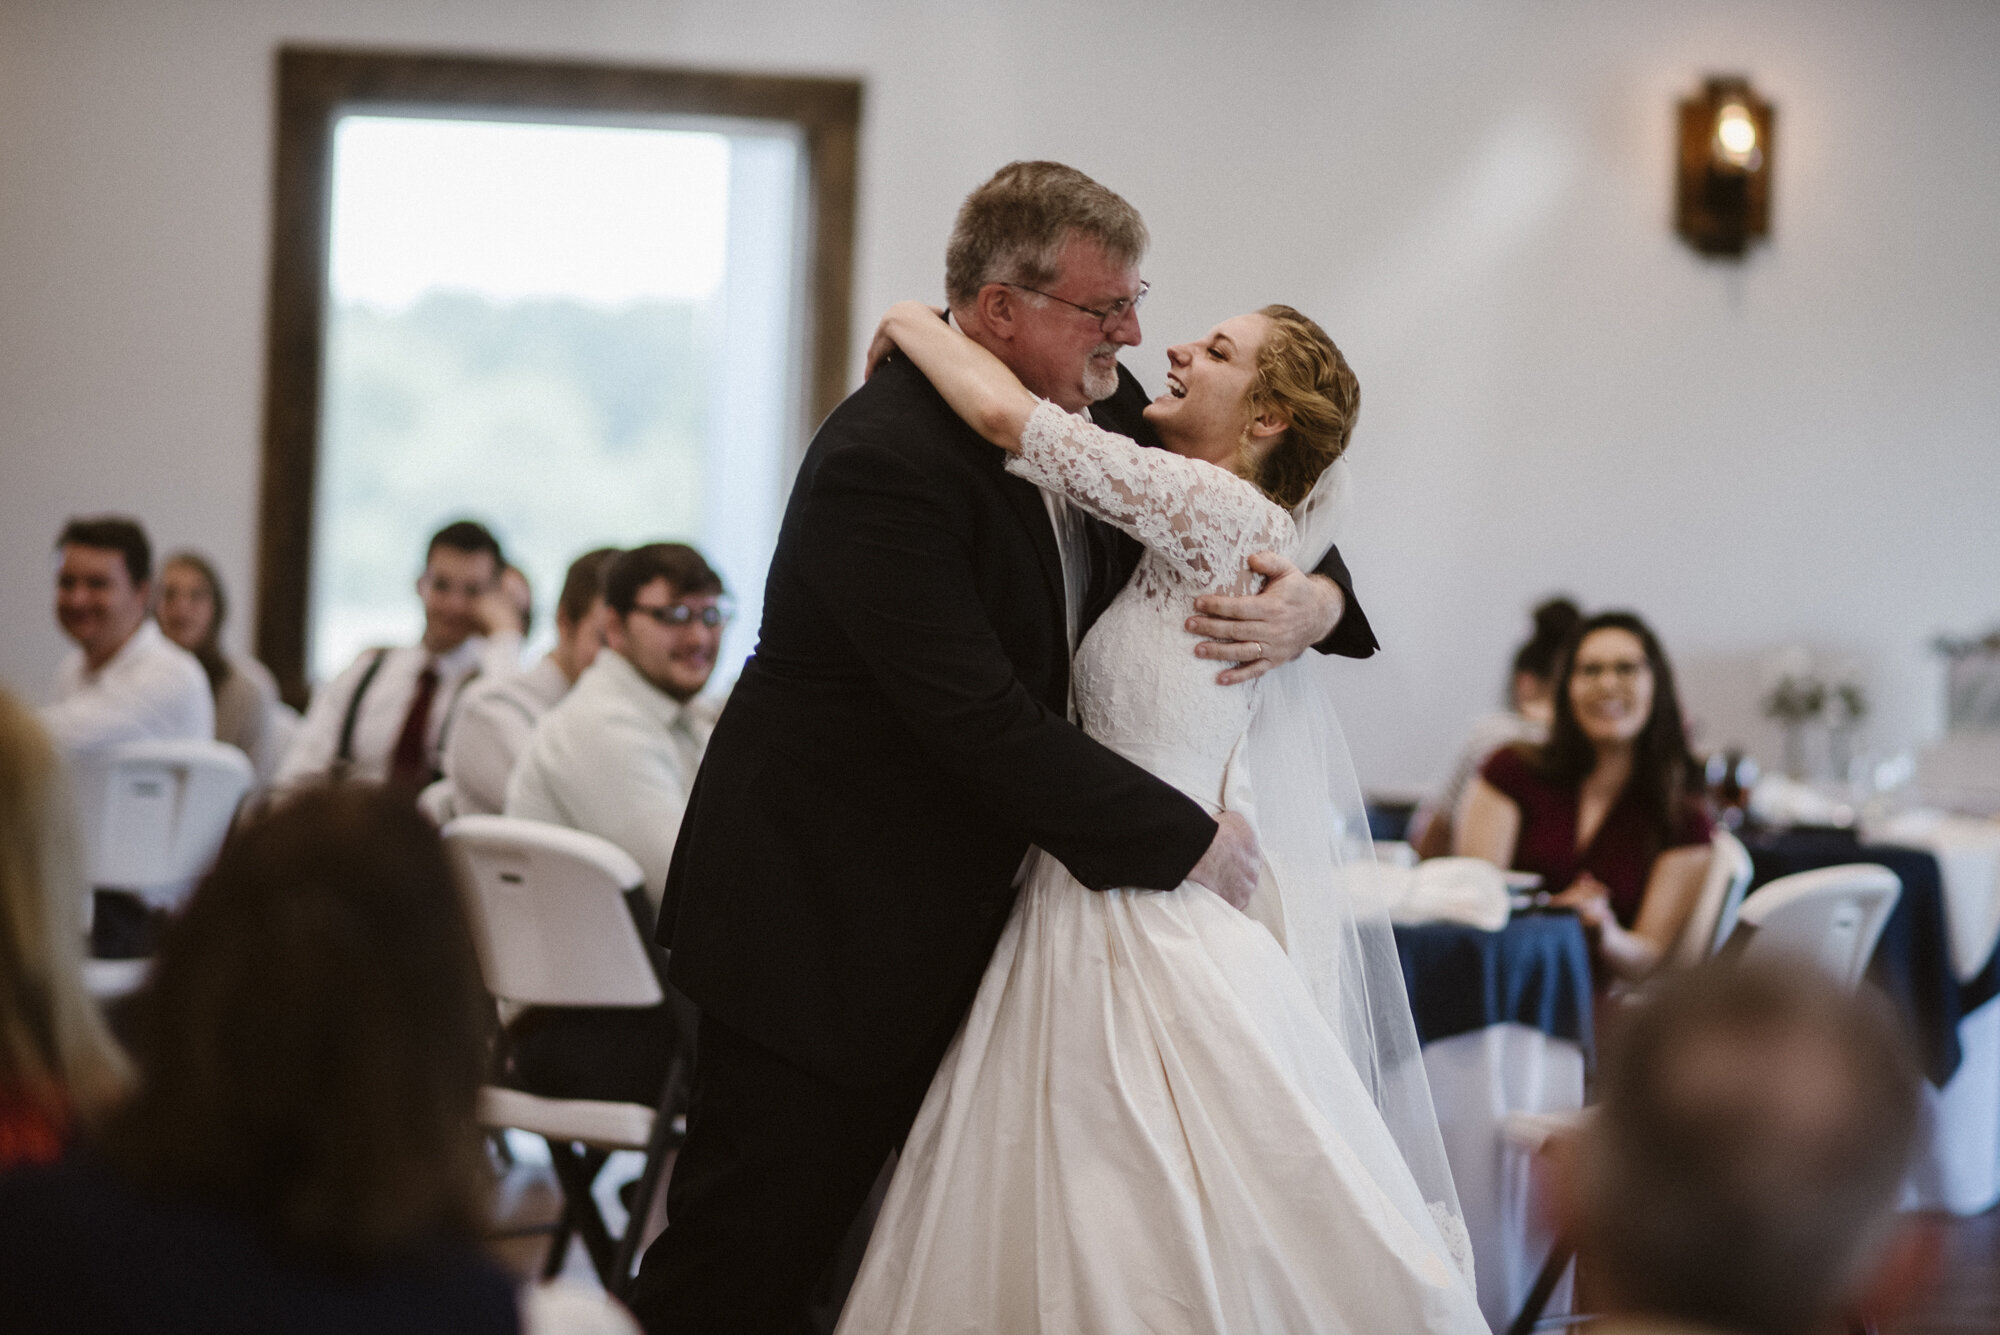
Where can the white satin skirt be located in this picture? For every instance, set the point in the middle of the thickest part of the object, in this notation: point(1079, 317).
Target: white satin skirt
point(1145, 1125)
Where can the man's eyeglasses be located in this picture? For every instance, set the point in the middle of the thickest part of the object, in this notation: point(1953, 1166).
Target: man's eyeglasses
point(1107, 319)
point(680, 614)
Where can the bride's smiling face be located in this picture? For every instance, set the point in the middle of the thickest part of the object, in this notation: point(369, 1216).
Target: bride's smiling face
point(1206, 409)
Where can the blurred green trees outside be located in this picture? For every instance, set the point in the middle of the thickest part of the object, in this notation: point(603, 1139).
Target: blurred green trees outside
point(561, 425)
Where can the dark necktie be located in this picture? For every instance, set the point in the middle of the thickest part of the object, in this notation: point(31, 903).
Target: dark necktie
point(409, 764)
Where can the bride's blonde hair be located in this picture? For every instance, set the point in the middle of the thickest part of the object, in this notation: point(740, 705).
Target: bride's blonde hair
point(1302, 377)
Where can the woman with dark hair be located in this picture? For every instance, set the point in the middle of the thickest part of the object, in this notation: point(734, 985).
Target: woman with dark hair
point(1605, 810)
point(248, 715)
point(301, 1152)
point(1530, 706)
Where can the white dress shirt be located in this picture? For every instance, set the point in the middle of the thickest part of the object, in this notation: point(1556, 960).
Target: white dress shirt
point(492, 730)
point(150, 690)
point(616, 759)
point(380, 721)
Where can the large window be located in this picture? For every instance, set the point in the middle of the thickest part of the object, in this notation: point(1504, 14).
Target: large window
point(585, 306)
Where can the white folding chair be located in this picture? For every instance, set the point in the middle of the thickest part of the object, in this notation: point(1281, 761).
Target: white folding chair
point(1713, 918)
point(1832, 916)
point(553, 928)
point(153, 814)
point(1714, 915)
point(1530, 1133)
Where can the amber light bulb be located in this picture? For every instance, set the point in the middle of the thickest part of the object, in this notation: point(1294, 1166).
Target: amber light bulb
point(1736, 136)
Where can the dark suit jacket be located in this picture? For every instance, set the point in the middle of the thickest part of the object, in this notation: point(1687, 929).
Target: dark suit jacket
point(894, 746)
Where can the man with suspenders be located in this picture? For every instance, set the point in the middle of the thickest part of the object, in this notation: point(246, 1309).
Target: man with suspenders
point(385, 719)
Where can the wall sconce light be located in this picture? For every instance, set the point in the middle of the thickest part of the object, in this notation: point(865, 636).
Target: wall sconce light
point(1723, 200)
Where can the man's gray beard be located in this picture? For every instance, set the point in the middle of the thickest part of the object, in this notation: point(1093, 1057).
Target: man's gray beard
point(1099, 384)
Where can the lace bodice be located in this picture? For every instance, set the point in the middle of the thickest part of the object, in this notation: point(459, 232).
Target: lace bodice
point(1139, 688)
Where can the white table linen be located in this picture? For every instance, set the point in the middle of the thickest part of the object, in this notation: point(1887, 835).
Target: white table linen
point(1958, 1166)
point(1968, 857)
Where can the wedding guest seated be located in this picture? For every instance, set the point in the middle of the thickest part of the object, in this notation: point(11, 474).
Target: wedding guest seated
point(248, 714)
point(1530, 706)
point(59, 1067)
point(617, 758)
point(1606, 811)
point(520, 595)
point(385, 719)
point(125, 682)
point(300, 1152)
point(1741, 1172)
point(499, 716)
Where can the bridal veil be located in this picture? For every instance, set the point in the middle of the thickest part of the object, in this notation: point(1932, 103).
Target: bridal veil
point(1312, 824)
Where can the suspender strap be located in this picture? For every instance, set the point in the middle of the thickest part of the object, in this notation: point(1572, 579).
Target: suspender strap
point(343, 758)
point(451, 717)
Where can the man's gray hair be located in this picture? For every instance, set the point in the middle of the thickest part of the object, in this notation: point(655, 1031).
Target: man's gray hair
point(1012, 229)
point(1745, 1163)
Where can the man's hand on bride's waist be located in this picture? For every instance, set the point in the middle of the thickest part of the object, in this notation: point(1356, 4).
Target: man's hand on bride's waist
point(1257, 632)
point(1231, 864)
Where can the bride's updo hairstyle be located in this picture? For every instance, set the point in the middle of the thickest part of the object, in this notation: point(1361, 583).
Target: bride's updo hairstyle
point(1302, 376)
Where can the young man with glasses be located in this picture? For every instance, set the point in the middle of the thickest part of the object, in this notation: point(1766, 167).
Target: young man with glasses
point(617, 756)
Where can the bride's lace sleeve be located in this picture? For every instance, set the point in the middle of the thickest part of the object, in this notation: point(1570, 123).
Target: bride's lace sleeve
point(1205, 520)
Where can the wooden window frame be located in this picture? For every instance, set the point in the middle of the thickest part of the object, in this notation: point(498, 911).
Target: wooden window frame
point(316, 86)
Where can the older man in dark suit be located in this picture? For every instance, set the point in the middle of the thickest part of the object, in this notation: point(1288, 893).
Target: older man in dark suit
point(898, 742)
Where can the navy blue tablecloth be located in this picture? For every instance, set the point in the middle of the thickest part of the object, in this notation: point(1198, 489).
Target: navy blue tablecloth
point(1535, 971)
point(1912, 962)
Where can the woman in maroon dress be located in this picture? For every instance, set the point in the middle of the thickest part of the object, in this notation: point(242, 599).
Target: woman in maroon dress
point(1604, 811)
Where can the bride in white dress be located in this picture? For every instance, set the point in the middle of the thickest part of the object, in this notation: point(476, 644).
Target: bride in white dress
point(1163, 1114)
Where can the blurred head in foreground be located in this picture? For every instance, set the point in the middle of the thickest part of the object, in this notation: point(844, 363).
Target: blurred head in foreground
point(57, 1061)
point(314, 1040)
point(1743, 1169)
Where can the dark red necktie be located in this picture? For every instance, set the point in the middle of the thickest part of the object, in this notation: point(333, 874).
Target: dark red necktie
point(409, 764)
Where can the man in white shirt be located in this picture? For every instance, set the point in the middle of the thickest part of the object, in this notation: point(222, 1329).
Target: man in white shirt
point(125, 682)
point(386, 717)
point(499, 716)
point(617, 757)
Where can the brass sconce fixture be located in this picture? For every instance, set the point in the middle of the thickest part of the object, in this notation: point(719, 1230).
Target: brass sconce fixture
point(1723, 200)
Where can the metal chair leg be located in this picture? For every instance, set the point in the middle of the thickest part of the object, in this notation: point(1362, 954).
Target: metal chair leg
point(577, 1172)
point(559, 1235)
point(672, 1098)
point(1561, 1253)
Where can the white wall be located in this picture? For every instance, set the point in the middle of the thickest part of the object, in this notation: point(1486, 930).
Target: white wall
point(1473, 196)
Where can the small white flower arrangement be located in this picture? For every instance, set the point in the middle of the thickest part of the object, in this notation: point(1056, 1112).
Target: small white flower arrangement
point(1798, 694)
